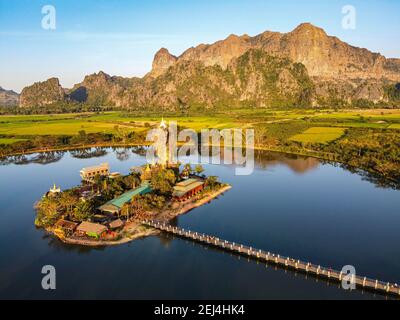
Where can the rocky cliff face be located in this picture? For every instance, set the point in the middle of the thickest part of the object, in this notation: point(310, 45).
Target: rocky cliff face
point(305, 67)
point(162, 61)
point(100, 89)
point(324, 56)
point(8, 98)
point(42, 93)
point(254, 78)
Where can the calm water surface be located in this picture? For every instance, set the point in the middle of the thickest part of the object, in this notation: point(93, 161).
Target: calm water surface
point(296, 207)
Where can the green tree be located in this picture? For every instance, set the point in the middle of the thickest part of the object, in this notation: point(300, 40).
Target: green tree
point(199, 169)
point(47, 212)
point(67, 201)
point(133, 180)
point(212, 182)
point(188, 168)
point(163, 181)
point(126, 211)
point(83, 211)
point(82, 136)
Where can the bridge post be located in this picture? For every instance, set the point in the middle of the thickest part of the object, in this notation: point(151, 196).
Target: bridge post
point(364, 280)
point(376, 284)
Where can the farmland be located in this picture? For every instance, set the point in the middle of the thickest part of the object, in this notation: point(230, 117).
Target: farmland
point(110, 122)
point(319, 135)
point(7, 141)
point(98, 123)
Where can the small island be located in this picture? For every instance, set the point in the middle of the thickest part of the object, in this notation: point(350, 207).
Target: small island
point(109, 208)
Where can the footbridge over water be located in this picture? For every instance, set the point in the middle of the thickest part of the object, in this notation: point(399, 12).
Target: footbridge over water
point(286, 262)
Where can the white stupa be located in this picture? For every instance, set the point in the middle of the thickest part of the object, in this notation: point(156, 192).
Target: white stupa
point(163, 124)
point(162, 150)
point(55, 190)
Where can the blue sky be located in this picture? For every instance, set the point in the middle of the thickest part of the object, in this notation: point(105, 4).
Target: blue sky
point(121, 37)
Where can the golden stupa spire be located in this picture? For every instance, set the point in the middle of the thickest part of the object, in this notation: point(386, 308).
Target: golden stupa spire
point(163, 124)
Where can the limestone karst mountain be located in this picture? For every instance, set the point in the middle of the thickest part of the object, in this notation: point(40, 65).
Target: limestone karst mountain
point(8, 98)
point(304, 68)
point(42, 93)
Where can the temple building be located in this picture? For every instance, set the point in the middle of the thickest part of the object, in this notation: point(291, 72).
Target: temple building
point(163, 150)
point(88, 174)
point(54, 190)
point(90, 229)
point(187, 189)
point(114, 206)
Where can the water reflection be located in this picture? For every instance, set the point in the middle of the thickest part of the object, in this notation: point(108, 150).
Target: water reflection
point(39, 158)
point(58, 245)
point(262, 159)
point(308, 216)
point(88, 153)
point(122, 154)
point(167, 239)
point(300, 165)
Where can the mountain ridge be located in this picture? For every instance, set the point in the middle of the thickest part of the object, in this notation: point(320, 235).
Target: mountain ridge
point(335, 74)
point(8, 98)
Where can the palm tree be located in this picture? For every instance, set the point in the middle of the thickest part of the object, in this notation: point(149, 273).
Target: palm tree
point(48, 211)
point(199, 169)
point(212, 181)
point(67, 202)
point(83, 211)
point(125, 211)
point(188, 168)
point(135, 179)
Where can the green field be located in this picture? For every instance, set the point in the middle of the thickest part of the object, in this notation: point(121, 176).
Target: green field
point(104, 123)
point(21, 126)
point(9, 140)
point(319, 135)
point(66, 127)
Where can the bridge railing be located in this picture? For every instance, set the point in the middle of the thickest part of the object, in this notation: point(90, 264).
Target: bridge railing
point(276, 258)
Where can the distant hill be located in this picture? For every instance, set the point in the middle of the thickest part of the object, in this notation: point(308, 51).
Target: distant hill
point(305, 68)
point(8, 98)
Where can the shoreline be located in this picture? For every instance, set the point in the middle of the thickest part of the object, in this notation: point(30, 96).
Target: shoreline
point(305, 153)
point(145, 231)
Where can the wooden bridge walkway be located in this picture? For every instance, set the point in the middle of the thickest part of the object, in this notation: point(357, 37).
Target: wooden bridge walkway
point(306, 267)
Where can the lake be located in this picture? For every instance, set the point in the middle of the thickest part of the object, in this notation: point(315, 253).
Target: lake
point(292, 206)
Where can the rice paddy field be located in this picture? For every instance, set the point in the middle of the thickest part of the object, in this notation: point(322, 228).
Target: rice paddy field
point(319, 135)
point(6, 141)
point(306, 126)
point(105, 123)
